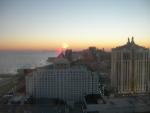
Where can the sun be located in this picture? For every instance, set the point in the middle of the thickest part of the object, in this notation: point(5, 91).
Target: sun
point(65, 45)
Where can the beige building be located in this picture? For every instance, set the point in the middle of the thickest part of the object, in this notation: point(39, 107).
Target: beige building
point(130, 68)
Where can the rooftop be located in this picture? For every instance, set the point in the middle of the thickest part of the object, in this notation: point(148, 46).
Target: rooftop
point(93, 98)
point(60, 61)
point(118, 101)
point(130, 45)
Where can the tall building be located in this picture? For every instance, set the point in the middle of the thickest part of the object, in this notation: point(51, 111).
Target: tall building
point(93, 51)
point(68, 54)
point(68, 83)
point(130, 68)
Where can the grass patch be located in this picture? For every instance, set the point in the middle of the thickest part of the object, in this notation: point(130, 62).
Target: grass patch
point(5, 88)
point(15, 80)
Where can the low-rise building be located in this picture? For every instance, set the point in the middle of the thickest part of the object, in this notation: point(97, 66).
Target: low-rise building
point(97, 104)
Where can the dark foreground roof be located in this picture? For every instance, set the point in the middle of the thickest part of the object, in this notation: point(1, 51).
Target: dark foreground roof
point(92, 98)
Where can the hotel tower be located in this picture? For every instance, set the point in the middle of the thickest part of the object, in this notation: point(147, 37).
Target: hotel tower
point(130, 69)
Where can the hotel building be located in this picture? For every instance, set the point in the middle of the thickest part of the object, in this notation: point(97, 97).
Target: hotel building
point(62, 82)
point(130, 68)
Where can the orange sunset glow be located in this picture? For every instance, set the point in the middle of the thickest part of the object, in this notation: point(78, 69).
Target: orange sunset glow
point(77, 45)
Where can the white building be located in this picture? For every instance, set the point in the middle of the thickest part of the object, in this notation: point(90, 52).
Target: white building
point(130, 68)
point(69, 84)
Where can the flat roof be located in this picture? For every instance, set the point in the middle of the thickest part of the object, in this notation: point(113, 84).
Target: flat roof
point(121, 101)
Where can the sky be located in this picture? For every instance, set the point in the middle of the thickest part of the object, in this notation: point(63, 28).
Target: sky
point(78, 24)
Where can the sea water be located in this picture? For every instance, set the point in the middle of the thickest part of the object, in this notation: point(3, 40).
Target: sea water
point(11, 61)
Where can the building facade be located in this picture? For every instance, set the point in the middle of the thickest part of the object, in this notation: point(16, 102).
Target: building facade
point(130, 68)
point(69, 84)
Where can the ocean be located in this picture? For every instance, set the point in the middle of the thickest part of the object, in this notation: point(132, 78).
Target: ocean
point(10, 62)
